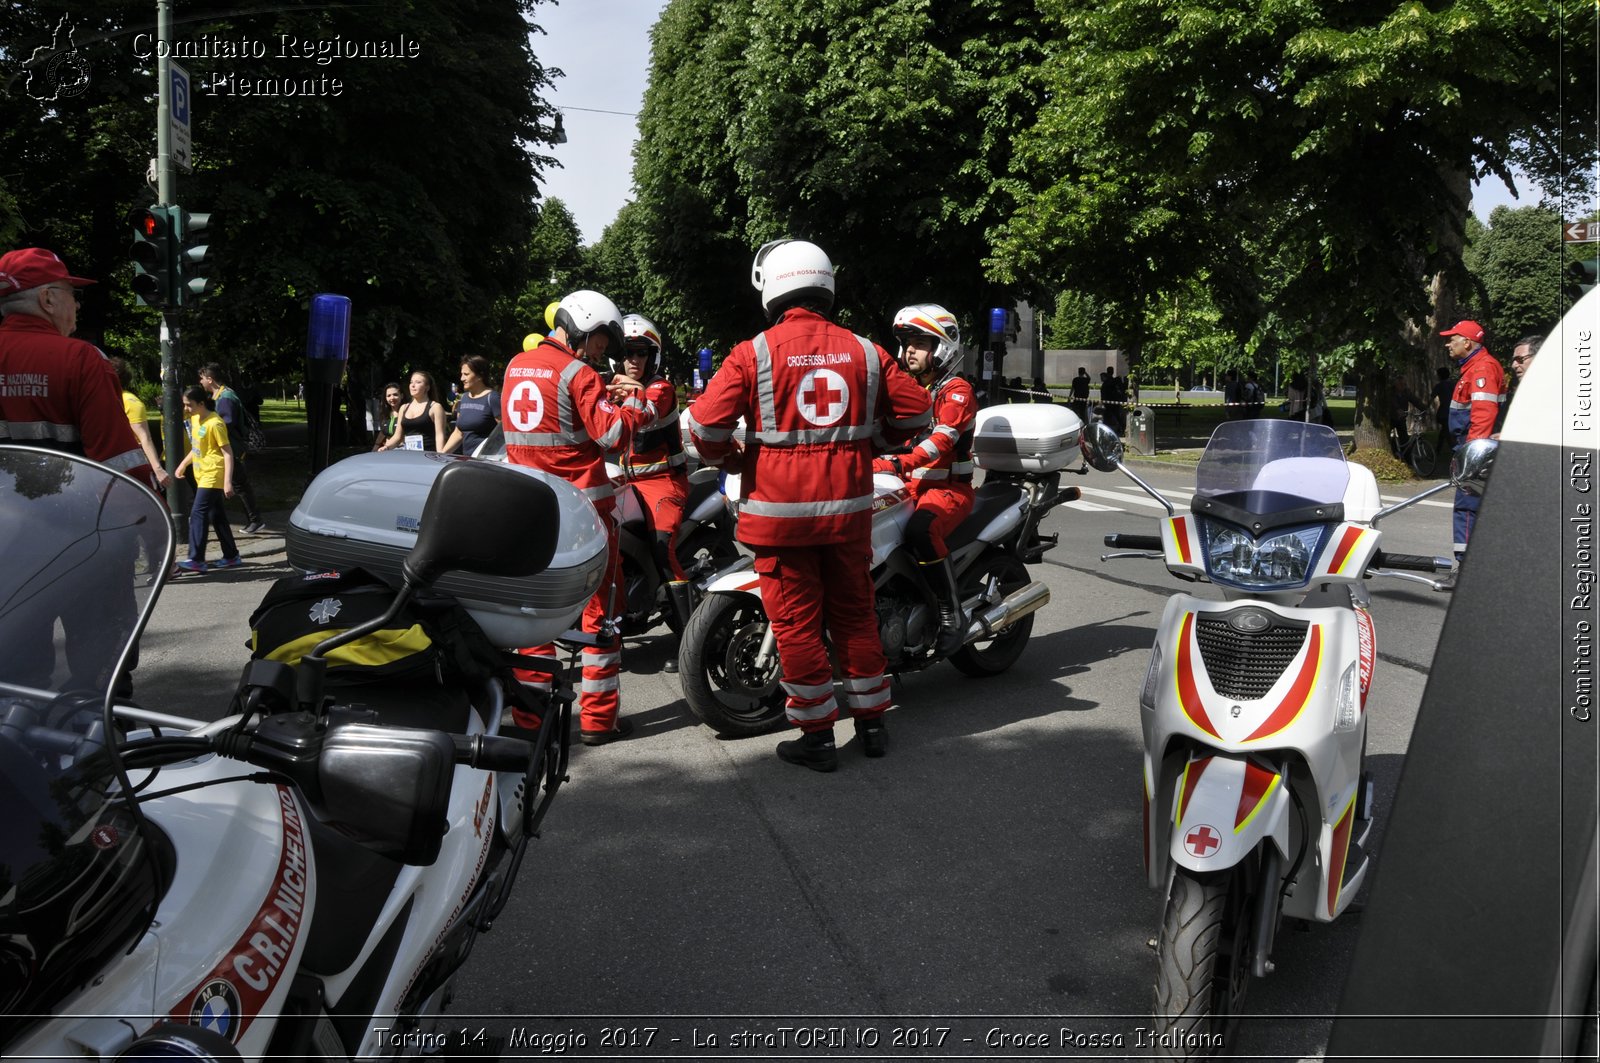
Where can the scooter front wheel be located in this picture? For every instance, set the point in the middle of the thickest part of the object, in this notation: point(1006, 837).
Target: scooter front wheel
point(1204, 957)
point(717, 664)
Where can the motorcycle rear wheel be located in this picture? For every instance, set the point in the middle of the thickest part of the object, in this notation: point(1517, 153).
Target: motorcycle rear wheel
point(1204, 963)
point(716, 664)
point(993, 655)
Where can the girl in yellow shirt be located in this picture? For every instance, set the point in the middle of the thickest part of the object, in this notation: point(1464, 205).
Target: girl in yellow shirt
point(212, 457)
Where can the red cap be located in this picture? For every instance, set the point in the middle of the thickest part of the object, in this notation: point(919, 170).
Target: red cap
point(1470, 329)
point(32, 267)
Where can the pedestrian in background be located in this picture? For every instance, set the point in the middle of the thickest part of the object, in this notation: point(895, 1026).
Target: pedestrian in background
point(139, 420)
point(814, 396)
point(1474, 410)
point(393, 398)
point(1080, 394)
point(422, 423)
point(477, 410)
point(230, 408)
point(211, 456)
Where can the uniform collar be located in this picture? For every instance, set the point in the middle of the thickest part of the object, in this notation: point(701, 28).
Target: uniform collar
point(26, 322)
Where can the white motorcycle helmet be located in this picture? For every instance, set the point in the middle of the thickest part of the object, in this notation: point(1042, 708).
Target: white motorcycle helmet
point(638, 331)
point(585, 312)
point(791, 271)
point(932, 320)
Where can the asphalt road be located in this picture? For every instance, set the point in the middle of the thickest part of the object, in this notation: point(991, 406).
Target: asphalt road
point(978, 891)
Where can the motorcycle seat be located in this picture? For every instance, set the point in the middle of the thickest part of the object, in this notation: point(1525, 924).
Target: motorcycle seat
point(989, 501)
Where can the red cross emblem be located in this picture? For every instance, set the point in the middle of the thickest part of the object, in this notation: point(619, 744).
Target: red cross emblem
point(823, 397)
point(1201, 841)
point(525, 407)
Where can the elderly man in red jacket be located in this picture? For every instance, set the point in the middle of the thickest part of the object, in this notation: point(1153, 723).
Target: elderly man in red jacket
point(814, 397)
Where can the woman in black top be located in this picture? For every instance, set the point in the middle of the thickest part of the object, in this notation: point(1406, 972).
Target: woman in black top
point(477, 411)
point(422, 423)
point(393, 399)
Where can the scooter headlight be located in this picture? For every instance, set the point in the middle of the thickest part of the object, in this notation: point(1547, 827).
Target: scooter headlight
point(1282, 560)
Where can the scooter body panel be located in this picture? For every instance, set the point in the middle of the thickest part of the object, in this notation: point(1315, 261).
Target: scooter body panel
point(1287, 674)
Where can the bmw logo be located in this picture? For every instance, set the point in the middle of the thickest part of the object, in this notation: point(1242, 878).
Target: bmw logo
point(216, 1008)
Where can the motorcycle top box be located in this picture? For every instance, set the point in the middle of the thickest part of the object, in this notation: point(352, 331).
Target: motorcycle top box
point(366, 510)
point(1025, 437)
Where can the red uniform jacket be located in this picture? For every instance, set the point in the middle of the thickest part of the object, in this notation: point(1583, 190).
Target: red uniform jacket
point(1479, 397)
point(815, 398)
point(946, 455)
point(557, 418)
point(657, 448)
point(61, 393)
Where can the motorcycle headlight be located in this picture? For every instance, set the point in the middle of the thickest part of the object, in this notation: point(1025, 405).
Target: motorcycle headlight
point(1280, 560)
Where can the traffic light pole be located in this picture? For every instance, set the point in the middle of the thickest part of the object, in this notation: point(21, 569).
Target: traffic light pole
point(171, 408)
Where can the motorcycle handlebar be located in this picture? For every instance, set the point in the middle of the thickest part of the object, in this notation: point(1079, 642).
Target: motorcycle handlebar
point(1125, 541)
point(492, 753)
point(1412, 562)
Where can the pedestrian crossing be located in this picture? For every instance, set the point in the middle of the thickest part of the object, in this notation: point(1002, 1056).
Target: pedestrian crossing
point(1126, 499)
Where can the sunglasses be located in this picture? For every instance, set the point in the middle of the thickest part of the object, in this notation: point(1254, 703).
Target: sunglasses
point(1523, 358)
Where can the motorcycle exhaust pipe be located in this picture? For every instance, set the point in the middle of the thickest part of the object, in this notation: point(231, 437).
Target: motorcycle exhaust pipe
point(1016, 605)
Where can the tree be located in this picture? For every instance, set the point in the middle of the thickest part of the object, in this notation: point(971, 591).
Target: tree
point(1312, 161)
point(554, 266)
point(1517, 259)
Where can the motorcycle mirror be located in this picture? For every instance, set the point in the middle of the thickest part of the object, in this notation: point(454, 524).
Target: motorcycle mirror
point(1101, 446)
point(486, 518)
point(387, 788)
point(1469, 469)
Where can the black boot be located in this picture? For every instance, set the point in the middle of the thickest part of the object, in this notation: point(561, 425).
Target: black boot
point(952, 624)
point(814, 750)
point(874, 736)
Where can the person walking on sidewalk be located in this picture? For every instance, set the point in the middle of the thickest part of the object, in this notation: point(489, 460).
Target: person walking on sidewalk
point(211, 455)
point(1474, 410)
point(230, 408)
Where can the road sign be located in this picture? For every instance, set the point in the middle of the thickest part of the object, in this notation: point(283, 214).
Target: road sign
point(1580, 232)
point(180, 116)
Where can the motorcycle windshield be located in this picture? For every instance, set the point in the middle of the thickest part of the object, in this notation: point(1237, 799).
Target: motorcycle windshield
point(1264, 466)
point(85, 550)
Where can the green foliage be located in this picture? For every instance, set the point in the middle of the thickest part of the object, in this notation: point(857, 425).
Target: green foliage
point(409, 187)
point(1518, 261)
point(1385, 466)
point(1078, 323)
point(554, 264)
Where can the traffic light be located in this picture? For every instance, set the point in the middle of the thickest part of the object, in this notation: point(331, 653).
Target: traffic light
point(191, 262)
point(152, 254)
point(1581, 274)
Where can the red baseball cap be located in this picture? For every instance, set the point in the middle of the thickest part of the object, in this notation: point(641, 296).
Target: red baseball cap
point(32, 267)
point(1468, 329)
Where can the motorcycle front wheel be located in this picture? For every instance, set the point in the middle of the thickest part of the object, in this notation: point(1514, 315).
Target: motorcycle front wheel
point(993, 655)
point(1204, 955)
point(717, 665)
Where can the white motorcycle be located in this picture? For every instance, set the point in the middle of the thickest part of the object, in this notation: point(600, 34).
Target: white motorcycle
point(1257, 804)
point(299, 879)
point(728, 654)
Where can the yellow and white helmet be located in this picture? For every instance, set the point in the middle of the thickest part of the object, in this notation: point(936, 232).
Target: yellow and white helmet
point(933, 320)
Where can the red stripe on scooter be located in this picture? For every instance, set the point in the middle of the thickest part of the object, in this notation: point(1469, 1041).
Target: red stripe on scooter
point(1346, 544)
point(1180, 535)
point(1191, 780)
point(1188, 692)
point(1340, 853)
point(1299, 694)
point(1257, 781)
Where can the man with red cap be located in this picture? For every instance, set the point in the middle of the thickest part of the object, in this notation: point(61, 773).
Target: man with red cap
point(56, 391)
point(1474, 409)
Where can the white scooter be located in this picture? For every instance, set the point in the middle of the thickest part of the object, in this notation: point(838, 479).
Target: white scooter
point(1257, 805)
point(300, 879)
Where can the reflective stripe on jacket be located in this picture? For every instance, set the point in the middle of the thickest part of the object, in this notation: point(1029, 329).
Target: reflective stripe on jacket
point(1480, 392)
point(657, 448)
point(945, 455)
point(815, 397)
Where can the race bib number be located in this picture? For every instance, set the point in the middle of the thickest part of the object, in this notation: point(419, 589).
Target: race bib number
point(414, 443)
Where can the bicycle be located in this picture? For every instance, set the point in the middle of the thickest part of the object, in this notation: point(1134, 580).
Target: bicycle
point(1417, 452)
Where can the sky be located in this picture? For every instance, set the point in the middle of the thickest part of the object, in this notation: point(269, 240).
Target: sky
point(604, 48)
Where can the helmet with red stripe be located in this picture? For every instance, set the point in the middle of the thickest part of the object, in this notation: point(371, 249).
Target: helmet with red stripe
point(933, 321)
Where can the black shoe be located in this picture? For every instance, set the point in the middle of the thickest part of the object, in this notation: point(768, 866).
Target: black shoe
point(814, 750)
point(623, 729)
point(255, 527)
point(874, 736)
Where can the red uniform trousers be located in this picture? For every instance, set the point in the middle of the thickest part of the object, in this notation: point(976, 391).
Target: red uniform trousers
point(600, 694)
point(950, 504)
point(664, 496)
point(807, 589)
